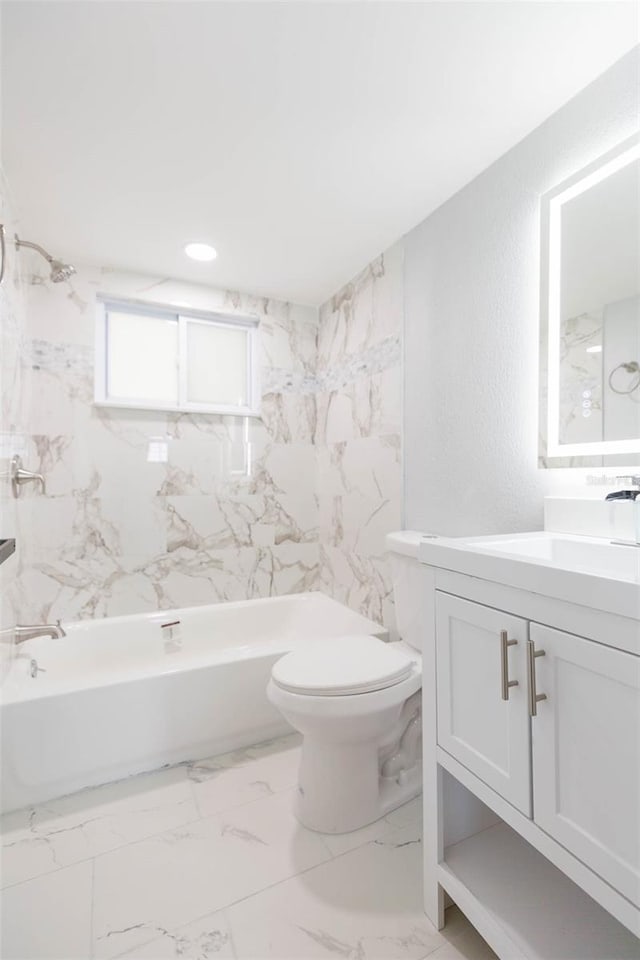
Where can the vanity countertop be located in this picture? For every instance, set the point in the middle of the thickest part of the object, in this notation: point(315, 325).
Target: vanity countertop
point(589, 571)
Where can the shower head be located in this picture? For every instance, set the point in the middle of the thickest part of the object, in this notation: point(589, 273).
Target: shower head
point(59, 271)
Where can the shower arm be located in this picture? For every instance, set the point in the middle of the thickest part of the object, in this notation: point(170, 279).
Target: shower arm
point(34, 246)
point(59, 270)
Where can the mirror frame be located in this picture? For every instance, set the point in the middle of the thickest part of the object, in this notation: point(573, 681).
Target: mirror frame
point(552, 453)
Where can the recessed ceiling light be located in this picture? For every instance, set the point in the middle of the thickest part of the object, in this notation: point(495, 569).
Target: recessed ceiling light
point(595, 349)
point(200, 251)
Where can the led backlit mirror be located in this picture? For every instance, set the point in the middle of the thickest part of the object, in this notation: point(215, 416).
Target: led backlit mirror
point(590, 356)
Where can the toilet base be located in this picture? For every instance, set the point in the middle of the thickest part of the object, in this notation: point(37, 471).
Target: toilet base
point(340, 787)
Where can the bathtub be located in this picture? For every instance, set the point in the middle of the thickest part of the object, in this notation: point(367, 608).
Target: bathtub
point(116, 697)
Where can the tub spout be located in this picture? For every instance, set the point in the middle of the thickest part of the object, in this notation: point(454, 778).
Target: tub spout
point(22, 632)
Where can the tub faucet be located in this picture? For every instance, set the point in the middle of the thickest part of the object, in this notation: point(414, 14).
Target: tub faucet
point(171, 635)
point(22, 632)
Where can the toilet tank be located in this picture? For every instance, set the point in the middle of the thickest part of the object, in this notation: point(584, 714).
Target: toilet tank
point(409, 578)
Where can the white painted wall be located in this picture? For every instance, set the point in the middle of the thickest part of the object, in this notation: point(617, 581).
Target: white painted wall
point(471, 326)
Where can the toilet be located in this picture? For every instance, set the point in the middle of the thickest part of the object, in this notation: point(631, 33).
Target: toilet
point(356, 700)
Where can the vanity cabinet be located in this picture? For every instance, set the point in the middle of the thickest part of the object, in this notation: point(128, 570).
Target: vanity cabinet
point(551, 722)
point(586, 754)
point(531, 742)
point(481, 722)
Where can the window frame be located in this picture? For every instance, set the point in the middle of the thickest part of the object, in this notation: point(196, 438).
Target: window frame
point(106, 303)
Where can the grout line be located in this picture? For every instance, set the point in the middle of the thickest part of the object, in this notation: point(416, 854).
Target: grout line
point(151, 836)
point(230, 932)
point(224, 907)
point(95, 856)
point(238, 806)
point(327, 847)
point(301, 873)
point(92, 907)
point(329, 858)
point(164, 768)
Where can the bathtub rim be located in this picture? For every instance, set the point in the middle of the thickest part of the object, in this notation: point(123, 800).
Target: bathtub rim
point(14, 691)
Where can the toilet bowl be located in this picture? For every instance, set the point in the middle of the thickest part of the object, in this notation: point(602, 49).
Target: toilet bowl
point(356, 700)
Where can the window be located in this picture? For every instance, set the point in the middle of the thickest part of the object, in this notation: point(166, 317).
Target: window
point(153, 358)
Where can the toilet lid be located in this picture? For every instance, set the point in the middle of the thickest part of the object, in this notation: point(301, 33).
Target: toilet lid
point(341, 666)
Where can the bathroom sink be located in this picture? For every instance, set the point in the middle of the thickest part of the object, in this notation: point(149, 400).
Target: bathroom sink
point(582, 554)
point(591, 571)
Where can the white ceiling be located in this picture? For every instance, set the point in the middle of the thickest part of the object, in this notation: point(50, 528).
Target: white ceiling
point(301, 139)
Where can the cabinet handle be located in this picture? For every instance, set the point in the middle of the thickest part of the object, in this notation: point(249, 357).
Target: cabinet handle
point(534, 696)
point(505, 683)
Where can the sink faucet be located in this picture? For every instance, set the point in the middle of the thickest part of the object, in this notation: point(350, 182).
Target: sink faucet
point(633, 495)
point(625, 494)
point(22, 632)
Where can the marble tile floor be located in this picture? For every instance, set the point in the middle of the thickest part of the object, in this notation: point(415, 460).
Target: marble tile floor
point(206, 860)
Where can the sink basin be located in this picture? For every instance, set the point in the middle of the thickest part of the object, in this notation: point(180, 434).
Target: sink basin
point(583, 554)
point(589, 571)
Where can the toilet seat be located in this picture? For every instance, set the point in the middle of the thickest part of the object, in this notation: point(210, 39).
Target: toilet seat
point(342, 666)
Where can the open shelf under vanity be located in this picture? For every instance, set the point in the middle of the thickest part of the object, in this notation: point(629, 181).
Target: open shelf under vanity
point(524, 906)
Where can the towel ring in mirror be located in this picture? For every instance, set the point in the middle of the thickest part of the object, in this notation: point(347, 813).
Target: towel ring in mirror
point(632, 367)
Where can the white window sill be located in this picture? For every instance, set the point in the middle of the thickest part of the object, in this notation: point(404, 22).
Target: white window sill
point(214, 410)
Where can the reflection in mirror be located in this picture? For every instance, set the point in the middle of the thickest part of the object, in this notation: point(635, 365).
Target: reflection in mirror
point(593, 286)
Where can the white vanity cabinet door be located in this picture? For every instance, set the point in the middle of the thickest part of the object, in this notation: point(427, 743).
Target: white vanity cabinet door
point(586, 754)
point(487, 734)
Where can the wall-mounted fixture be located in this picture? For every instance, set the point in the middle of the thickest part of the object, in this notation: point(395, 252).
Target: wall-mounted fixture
point(59, 271)
point(18, 476)
point(632, 367)
point(24, 632)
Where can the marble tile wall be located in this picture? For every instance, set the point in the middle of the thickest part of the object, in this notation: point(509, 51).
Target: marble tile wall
point(232, 512)
point(13, 412)
point(300, 499)
point(358, 435)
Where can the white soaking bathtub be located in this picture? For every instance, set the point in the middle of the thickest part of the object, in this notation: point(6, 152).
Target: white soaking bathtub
point(115, 697)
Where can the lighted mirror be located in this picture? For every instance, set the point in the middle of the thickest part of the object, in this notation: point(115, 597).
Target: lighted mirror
point(590, 356)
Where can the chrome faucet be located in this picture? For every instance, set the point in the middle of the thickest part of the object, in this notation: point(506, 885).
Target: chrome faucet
point(625, 494)
point(22, 632)
point(634, 496)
